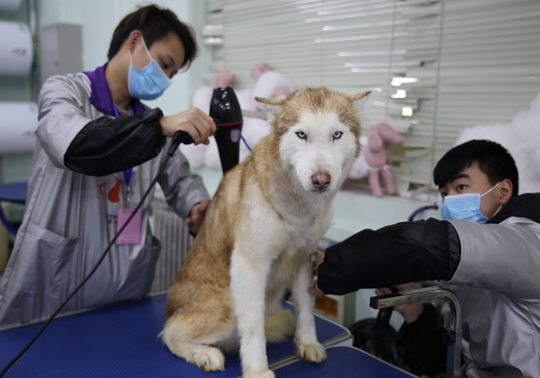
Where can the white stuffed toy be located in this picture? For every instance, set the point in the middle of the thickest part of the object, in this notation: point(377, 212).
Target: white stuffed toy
point(269, 83)
point(520, 137)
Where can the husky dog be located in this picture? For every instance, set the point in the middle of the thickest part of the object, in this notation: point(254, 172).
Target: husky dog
point(261, 229)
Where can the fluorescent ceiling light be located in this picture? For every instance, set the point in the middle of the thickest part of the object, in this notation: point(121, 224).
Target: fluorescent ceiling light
point(400, 93)
point(406, 111)
point(397, 81)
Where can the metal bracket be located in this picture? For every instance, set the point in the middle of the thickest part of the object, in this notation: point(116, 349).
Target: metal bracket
point(453, 355)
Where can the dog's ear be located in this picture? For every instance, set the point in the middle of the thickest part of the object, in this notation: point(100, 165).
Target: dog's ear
point(360, 99)
point(271, 105)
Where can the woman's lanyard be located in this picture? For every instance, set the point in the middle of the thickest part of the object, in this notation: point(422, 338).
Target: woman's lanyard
point(128, 172)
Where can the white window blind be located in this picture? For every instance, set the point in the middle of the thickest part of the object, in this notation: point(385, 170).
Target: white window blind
point(472, 62)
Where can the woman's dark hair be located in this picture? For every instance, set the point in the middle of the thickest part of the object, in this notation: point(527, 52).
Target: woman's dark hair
point(492, 158)
point(155, 24)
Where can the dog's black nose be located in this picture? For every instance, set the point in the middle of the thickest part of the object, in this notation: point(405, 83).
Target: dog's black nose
point(320, 180)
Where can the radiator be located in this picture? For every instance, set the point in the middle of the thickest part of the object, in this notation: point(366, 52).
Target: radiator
point(175, 240)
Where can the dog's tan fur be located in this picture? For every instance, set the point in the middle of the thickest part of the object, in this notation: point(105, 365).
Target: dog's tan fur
point(260, 229)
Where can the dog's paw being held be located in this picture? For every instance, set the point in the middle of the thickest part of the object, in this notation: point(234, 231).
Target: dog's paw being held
point(263, 374)
point(312, 352)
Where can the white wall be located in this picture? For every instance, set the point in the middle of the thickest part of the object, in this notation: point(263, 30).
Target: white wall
point(100, 17)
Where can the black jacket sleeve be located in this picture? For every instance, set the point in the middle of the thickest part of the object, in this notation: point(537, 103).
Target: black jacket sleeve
point(404, 252)
point(422, 344)
point(108, 145)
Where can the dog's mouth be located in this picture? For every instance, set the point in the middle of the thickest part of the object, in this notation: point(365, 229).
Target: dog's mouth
point(319, 191)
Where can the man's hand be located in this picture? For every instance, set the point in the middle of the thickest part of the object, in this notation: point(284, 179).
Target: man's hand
point(314, 289)
point(199, 125)
point(409, 311)
point(197, 215)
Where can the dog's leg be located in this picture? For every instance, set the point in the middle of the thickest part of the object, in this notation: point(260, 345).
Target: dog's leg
point(279, 324)
point(248, 284)
point(309, 348)
point(203, 356)
point(178, 336)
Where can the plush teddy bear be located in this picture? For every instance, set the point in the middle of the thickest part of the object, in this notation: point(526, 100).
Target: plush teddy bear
point(269, 83)
point(372, 161)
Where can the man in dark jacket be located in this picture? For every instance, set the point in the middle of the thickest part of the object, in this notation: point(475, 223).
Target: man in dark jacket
point(487, 246)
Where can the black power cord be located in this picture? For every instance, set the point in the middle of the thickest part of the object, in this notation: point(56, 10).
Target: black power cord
point(179, 137)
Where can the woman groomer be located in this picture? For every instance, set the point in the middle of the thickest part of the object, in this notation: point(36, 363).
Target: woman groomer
point(99, 148)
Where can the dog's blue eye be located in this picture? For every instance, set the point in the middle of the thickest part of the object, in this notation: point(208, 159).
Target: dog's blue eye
point(338, 134)
point(301, 135)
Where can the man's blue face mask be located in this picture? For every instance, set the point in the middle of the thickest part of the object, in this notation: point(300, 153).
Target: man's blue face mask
point(464, 207)
point(148, 83)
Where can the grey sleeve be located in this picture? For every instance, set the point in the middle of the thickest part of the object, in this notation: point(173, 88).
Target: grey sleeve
point(183, 189)
point(61, 116)
point(501, 257)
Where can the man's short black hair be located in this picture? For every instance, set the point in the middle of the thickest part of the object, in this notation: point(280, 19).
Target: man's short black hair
point(493, 159)
point(155, 24)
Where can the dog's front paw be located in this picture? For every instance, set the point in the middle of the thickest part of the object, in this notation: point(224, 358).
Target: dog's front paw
point(312, 352)
point(263, 374)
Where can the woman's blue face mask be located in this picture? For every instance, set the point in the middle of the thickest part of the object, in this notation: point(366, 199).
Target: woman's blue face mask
point(464, 207)
point(148, 83)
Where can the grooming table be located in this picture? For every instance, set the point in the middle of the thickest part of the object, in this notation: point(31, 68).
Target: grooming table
point(122, 341)
point(14, 192)
point(342, 362)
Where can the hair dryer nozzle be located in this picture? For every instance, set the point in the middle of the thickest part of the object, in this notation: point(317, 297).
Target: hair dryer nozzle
point(225, 110)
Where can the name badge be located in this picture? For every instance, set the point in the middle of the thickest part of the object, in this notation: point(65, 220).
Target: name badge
point(132, 232)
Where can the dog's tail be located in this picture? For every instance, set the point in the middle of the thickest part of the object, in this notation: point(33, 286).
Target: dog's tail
point(279, 326)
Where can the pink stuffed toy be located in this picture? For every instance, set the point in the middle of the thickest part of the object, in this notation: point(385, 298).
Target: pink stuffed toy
point(380, 137)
